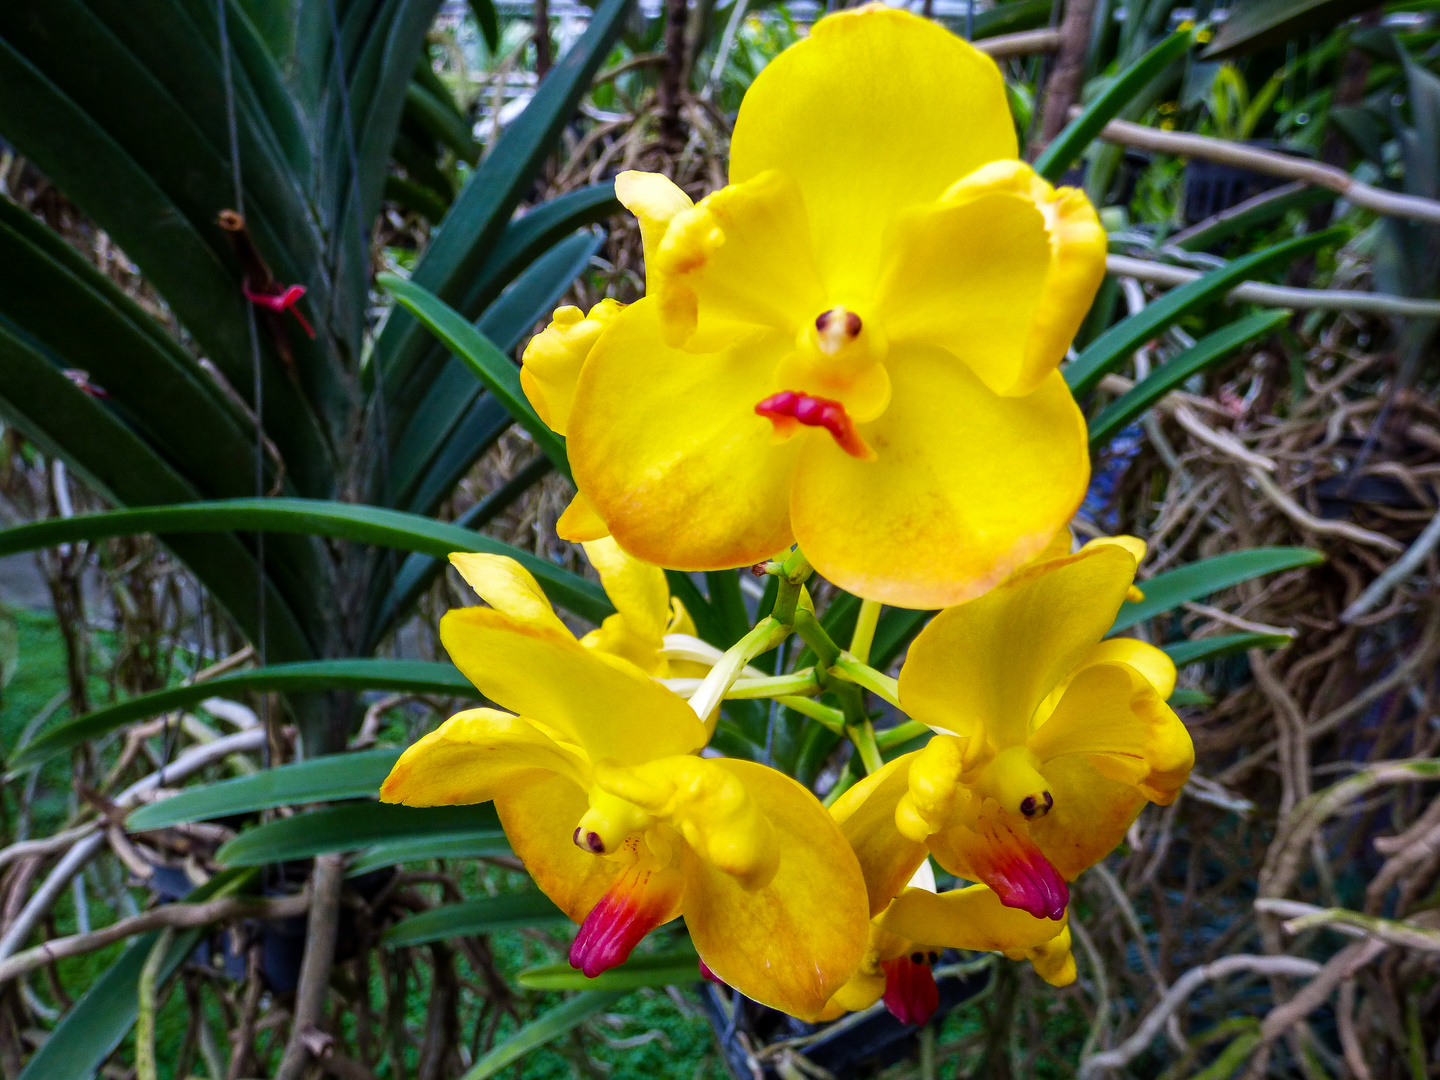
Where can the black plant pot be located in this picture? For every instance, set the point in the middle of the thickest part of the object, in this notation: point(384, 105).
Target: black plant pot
point(1211, 187)
point(850, 1048)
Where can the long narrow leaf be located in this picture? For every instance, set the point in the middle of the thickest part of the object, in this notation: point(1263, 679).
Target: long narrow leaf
point(668, 969)
point(1204, 353)
point(352, 827)
point(1212, 648)
point(1122, 339)
point(483, 916)
point(323, 779)
point(490, 365)
point(544, 1030)
point(467, 846)
point(411, 676)
point(1067, 147)
point(317, 517)
point(1200, 579)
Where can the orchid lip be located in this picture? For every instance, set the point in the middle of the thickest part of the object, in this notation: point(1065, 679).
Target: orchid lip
point(789, 408)
point(910, 991)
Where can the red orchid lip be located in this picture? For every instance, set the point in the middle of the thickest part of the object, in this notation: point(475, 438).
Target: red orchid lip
point(1026, 880)
point(636, 904)
point(791, 407)
point(910, 991)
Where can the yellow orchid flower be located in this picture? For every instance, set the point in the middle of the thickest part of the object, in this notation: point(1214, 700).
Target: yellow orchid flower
point(602, 796)
point(645, 612)
point(905, 940)
point(1048, 739)
point(853, 345)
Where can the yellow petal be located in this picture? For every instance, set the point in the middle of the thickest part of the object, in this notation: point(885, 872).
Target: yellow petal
point(638, 589)
point(611, 710)
point(740, 258)
point(866, 815)
point(1052, 960)
point(539, 819)
point(972, 918)
point(988, 663)
point(967, 486)
point(1090, 815)
point(474, 757)
point(1075, 265)
point(580, 522)
point(655, 200)
point(970, 277)
point(511, 589)
point(551, 363)
point(875, 111)
point(794, 942)
point(1114, 716)
point(667, 447)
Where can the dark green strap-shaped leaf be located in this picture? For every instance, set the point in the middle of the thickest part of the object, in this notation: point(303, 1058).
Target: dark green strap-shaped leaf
point(1011, 17)
point(468, 846)
point(483, 208)
point(1200, 579)
point(492, 367)
point(667, 969)
point(470, 917)
point(91, 1030)
point(488, 21)
point(544, 1030)
point(439, 120)
point(412, 676)
point(1212, 648)
point(323, 779)
point(1065, 149)
point(318, 517)
point(1122, 339)
point(1252, 25)
point(1253, 213)
point(417, 198)
point(352, 827)
point(1204, 353)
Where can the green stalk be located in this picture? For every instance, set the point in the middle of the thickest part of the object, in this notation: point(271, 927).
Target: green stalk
point(803, 682)
point(763, 637)
point(900, 733)
point(793, 573)
point(864, 635)
point(879, 684)
point(145, 1015)
point(814, 635)
point(823, 715)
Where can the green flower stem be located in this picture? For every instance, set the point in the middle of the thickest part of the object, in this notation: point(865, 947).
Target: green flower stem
point(814, 635)
point(879, 684)
point(803, 682)
point(844, 784)
point(827, 717)
point(863, 736)
point(145, 1062)
point(765, 635)
point(864, 635)
point(899, 734)
point(793, 573)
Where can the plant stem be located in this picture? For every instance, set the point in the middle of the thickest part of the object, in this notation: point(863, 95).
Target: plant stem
point(793, 573)
point(863, 736)
point(900, 733)
point(145, 1016)
point(814, 635)
point(823, 715)
point(879, 684)
point(864, 635)
point(804, 682)
point(765, 635)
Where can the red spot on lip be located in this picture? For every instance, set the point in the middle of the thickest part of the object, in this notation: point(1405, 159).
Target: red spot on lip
point(790, 407)
point(910, 990)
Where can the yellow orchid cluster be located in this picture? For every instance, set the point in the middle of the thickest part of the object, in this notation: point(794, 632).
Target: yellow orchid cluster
point(850, 351)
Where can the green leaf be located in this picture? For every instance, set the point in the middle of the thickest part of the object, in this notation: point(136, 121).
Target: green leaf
point(1272, 205)
point(1186, 695)
point(1252, 25)
point(670, 969)
point(471, 917)
point(412, 676)
point(95, 1025)
point(1200, 579)
point(1011, 18)
point(1067, 147)
point(323, 779)
point(1122, 339)
point(1212, 648)
point(446, 847)
point(492, 367)
point(417, 198)
point(317, 517)
point(350, 828)
point(539, 1032)
point(441, 121)
point(1204, 353)
point(488, 21)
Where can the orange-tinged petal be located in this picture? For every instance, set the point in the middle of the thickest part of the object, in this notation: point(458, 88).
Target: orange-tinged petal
point(476, 756)
point(794, 942)
point(1090, 816)
point(1052, 960)
point(581, 522)
point(511, 589)
point(967, 486)
point(875, 111)
point(970, 277)
point(539, 819)
point(972, 918)
point(1112, 714)
point(667, 447)
point(551, 364)
point(866, 815)
point(990, 662)
point(740, 258)
point(612, 710)
point(1075, 265)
